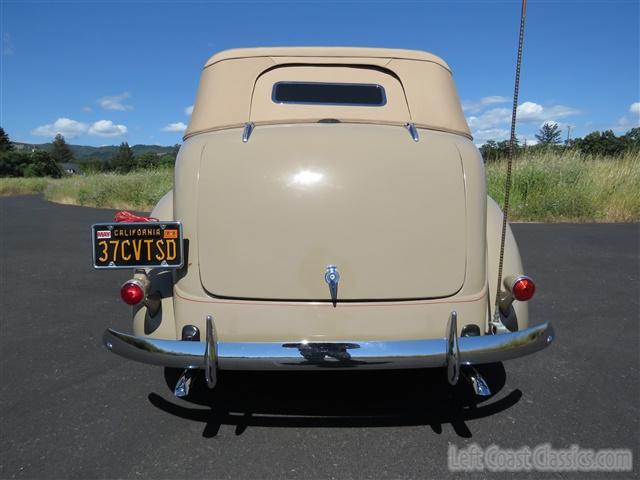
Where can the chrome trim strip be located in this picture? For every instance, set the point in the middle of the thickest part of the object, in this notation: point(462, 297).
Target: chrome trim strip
point(360, 121)
point(318, 355)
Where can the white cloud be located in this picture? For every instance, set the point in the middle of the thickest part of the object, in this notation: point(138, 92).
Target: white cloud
point(490, 119)
point(497, 134)
point(72, 128)
point(188, 110)
point(106, 128)
point(175, 127)
point(477, 105)
point(115, 102)
point(64, 126)
point(629, 121)
point(528, 112)
point(534, 112)
point(87, 109)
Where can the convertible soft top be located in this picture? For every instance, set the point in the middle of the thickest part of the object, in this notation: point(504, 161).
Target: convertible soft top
point(237, 86)
point(332, 52)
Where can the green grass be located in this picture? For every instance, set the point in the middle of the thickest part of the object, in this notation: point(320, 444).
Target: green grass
point(22, 186)
point(570, 187)
point(546, 187)
point(138, 190)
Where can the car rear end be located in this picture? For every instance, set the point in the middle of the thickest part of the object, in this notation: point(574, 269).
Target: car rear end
point(341, 223)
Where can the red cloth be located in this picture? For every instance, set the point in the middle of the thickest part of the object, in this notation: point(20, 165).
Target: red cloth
point(125, 216)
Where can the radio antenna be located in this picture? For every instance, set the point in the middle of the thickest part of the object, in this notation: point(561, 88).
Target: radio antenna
point(497, 323)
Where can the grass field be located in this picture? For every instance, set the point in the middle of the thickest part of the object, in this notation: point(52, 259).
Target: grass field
point(138, 190)
point(570, 187)
point(548, 187)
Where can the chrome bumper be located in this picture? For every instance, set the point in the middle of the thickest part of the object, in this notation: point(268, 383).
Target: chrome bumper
point(395, 354)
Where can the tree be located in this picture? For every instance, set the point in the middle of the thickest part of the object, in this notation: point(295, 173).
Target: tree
point(5, 143)
point(167, 161)
point(489, 151)
point(41, 164)
point(60, 151)
point(12, 163)
point(147, 160)
point(35, 164)
point(123, 160)
point(632, 139)
point(603, 143)
point(549, 134)
point(493, 150)
point(92, 165)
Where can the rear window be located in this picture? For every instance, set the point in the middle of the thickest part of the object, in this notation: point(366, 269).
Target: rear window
point(320, 93)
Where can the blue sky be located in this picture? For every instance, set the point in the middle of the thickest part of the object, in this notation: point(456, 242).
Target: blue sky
point(102, 72)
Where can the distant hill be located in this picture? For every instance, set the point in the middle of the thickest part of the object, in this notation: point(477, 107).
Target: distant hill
point(85, 152)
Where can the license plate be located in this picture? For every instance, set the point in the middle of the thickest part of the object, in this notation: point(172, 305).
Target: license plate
point(137, 245)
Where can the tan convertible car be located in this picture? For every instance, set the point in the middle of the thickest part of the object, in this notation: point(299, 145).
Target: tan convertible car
point(329, 211)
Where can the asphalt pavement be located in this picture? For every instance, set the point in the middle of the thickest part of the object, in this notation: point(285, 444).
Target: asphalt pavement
point(71, 409)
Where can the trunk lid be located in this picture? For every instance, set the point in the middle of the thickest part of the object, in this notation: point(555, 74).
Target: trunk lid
point(273, 213)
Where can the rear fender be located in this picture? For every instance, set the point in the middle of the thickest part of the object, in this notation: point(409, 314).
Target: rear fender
point(163, 324)
point(518, 318)
point(164, 208)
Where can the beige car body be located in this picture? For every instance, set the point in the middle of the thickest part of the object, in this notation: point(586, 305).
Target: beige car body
point(393, 195)
point(253, 192)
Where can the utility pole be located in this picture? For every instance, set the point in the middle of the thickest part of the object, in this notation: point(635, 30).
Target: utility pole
point(569, 127)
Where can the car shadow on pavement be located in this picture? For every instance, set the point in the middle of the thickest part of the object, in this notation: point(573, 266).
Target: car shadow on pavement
point(337, 399)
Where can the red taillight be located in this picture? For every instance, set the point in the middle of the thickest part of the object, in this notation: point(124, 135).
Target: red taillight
point(131, 293)
point(523, 289)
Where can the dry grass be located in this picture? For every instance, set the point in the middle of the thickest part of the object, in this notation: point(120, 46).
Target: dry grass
point(549, 187)
point(570, 187)
point(22, 186)
point(138, 190)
